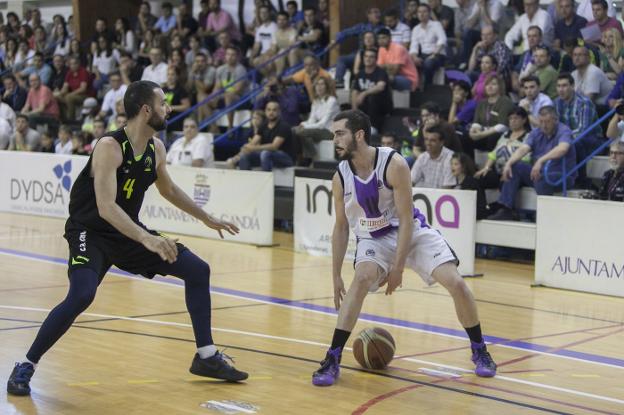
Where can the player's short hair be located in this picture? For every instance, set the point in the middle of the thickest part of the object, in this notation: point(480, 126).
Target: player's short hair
point(356, 120)
point(138, 94)
point(435, 129)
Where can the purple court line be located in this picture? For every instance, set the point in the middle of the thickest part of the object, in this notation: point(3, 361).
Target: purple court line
point(589, 357)
point(556, 349)
point(543, 336)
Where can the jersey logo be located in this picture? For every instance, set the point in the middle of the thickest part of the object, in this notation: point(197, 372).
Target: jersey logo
point(148, 163)
point(79, 260)
point(370, 252)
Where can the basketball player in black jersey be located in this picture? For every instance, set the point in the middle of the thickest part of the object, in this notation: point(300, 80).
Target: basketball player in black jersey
point(103, 229)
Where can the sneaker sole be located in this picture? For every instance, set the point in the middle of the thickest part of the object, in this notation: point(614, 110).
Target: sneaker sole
point(18, 392)
point(196, 373)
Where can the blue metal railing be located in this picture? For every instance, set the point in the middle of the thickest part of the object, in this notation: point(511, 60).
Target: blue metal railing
point(564, 174)
point(249, 75)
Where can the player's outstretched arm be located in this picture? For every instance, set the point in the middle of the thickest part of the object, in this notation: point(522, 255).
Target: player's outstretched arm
point(176, 196)
point(398, 177)
point(107, 157)
point(340, 239)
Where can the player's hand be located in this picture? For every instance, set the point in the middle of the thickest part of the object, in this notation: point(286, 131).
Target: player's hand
point(166, 248)
point(221, 225)
point(394, 280)
point(339, 291)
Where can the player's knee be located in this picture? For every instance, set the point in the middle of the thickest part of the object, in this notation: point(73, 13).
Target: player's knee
point(83, 299)
point(363, 280)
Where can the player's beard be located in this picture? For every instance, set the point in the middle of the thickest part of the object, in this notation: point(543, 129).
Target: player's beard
point(157, 123)
point(347, 152)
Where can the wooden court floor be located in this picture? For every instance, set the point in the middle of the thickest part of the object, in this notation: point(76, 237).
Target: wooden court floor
point(129, 353)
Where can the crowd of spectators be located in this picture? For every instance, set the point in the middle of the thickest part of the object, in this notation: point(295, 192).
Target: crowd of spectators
point(526, 82)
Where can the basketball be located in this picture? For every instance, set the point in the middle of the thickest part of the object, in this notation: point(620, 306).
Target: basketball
point(374, 348)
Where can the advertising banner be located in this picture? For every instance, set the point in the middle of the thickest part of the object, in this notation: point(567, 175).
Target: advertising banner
point(576, 246)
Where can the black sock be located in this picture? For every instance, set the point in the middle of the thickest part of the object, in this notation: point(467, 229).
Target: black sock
point(474, 333)
point(340, 338)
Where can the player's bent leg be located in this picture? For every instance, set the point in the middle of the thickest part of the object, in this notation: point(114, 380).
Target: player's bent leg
point(83, 284)
point(208, 361)
point(366, 274)
point(466, 309)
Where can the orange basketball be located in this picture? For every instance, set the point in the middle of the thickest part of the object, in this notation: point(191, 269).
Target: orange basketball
point(374, 348)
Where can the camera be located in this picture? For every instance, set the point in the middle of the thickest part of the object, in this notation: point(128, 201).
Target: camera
point(619, 109)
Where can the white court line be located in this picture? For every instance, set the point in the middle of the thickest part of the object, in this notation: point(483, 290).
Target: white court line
point(294, 340)
point(292, 307)
point(232, 407)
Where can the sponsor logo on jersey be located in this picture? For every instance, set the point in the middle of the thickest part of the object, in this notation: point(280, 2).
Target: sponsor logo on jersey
point(370, 252)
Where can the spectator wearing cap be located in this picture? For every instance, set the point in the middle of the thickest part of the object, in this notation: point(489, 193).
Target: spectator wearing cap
point(428, 45)
point(89, 114)
point(395, 60)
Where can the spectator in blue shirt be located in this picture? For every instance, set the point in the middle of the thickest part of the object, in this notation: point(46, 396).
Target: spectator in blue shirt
point(39, 67)
point(570, 24)
point(551, 141)
point(167, 22)
point(289, 99)
point(295, 16)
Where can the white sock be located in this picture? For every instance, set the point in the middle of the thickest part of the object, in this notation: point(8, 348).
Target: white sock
point(32, 363)
point(207, 351)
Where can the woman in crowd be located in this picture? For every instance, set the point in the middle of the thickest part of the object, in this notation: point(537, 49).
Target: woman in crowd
point(463, 169)
point(489, 67)
point(612, 53)
point(519, 127)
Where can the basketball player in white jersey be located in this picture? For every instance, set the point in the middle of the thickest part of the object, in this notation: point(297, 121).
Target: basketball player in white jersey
point(373, 195)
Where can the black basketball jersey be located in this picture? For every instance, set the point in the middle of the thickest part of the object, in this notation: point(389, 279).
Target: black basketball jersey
point(134, 176)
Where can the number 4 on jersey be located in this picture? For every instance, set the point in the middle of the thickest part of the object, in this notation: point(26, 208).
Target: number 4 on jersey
point(128, 187)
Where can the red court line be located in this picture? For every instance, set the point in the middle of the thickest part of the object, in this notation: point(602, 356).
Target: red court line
point(543, 336)
point(556, 349)
point(528, 395)
point(364, 407)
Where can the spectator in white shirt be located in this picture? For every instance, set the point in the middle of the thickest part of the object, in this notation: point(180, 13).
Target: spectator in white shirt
point(533, 16)
point(533, 99)
point(264, 40)
point(590, 80)
point(316, 127)
point(193, 148)
point(64, 144)
point(432, 168)
point(105, 61)
point(399, 31)
point(157, 71)
point(428, 44)
point(114, 94)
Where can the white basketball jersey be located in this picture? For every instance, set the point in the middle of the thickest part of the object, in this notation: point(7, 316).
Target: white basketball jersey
point(369, 204)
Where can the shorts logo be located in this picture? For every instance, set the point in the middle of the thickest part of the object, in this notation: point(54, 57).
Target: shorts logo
point(79, 260)
point(370, 252)
point(83, 241)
